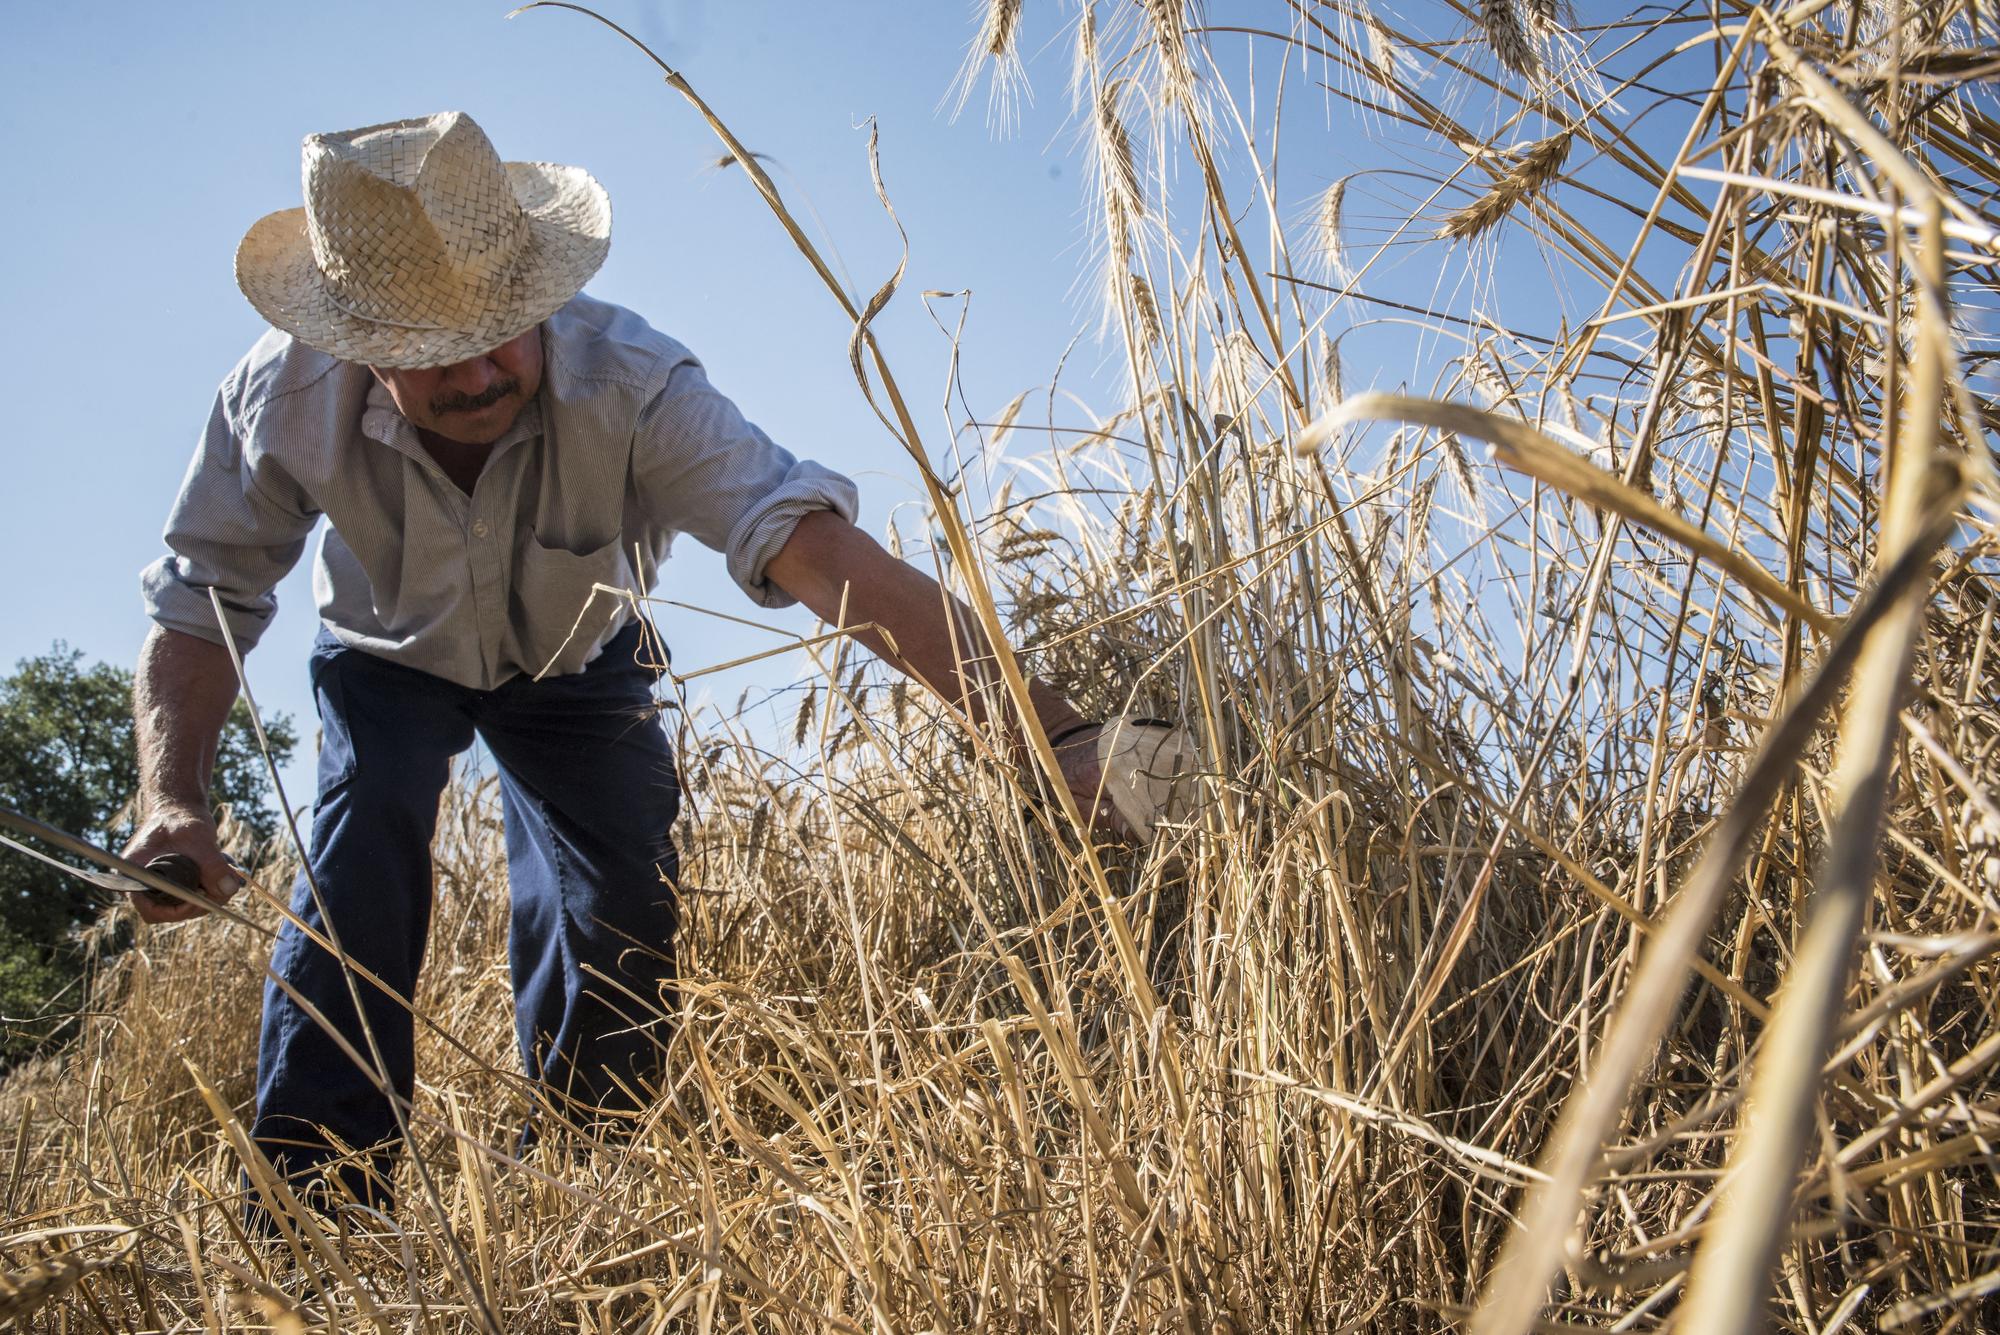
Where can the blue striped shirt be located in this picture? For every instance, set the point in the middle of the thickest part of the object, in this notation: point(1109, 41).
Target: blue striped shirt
point(625, 445)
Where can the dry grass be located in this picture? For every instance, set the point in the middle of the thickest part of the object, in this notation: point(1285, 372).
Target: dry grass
point(1603, 834)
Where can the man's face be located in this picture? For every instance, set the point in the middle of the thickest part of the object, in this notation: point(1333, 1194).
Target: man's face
point(473, 401)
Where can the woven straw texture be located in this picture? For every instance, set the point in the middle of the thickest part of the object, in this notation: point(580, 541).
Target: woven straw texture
point(418, 246)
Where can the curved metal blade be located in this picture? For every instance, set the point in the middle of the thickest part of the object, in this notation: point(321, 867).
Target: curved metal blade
point(119, 875)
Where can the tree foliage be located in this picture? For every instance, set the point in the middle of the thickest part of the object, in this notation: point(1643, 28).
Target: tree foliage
point(68, 759)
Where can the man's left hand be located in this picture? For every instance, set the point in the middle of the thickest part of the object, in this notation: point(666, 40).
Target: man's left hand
point(1084, 777)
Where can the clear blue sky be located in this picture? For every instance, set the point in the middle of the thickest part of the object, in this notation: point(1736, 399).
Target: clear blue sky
point(143, 139)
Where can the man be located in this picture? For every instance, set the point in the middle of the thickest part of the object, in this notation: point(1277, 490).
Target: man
point(487, 445)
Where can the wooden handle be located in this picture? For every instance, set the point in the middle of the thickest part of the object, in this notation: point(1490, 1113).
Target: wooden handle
point(179, 868)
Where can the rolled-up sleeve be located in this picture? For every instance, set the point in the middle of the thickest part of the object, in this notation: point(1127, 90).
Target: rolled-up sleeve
point(230, 530)
point(701, 469)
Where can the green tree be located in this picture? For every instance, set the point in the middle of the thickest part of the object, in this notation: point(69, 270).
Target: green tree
point(67, 758)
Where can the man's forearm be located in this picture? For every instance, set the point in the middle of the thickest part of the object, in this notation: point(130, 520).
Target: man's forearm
point(966, 673)
point(181, 698)
point(829, 560)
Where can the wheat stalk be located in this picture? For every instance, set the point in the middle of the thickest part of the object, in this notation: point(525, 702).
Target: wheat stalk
point(1502, 903)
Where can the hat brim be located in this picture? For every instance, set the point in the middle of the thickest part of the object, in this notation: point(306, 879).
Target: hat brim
point(568, 236)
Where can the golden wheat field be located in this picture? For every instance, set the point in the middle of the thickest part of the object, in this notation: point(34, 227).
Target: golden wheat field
point(1591, 915)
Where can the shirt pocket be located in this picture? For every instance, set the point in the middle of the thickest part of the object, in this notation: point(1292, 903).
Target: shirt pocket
point(560, 616)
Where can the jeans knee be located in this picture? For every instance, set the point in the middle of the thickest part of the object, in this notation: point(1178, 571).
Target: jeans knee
point(396, 804)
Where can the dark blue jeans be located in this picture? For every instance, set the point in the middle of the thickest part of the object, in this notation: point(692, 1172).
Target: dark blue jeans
point(588, 791)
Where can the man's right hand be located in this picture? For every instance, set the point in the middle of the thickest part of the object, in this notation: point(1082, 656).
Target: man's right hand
point(181, 696)
point(169, 828)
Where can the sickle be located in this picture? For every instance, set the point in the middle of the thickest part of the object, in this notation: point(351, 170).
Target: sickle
point(171, 878)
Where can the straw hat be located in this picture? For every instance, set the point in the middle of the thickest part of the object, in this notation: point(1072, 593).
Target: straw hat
point(419, 247)
point(1151, 771)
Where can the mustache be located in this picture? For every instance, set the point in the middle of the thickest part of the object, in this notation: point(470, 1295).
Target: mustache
point(472, 403)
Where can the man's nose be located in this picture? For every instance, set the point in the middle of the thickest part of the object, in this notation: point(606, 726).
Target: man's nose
point(471, 376)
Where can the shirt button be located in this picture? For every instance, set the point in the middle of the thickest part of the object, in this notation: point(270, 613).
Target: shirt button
point(479, 529)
